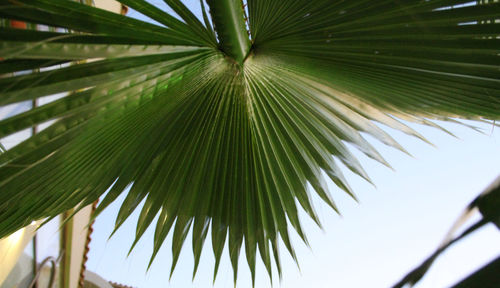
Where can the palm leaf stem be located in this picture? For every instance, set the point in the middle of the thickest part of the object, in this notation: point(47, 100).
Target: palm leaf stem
point(229, 20)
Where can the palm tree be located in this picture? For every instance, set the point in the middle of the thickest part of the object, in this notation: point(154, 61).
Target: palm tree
point(224, 123)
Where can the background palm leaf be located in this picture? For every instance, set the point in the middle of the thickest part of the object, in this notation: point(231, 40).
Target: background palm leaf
point(211, 135)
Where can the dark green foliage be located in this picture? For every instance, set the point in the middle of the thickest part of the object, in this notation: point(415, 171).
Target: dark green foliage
point(221, 141)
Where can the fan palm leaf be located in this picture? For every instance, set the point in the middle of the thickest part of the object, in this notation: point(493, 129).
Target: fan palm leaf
point(222, 129)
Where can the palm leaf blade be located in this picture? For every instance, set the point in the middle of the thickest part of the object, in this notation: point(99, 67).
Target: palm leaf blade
point(205, 136)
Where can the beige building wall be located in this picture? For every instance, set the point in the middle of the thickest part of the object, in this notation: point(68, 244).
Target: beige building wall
point(81, 219)
point(78, 242)
point(12, 247)
point(110, 5)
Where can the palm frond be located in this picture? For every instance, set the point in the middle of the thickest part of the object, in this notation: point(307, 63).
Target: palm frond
point(221, 140)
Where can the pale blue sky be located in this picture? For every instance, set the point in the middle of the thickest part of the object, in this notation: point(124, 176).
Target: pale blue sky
point(373, 244)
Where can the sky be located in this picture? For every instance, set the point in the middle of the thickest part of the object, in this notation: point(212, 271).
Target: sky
point(373, 243)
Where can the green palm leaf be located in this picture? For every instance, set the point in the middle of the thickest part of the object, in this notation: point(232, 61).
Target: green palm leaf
point(227, 133)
